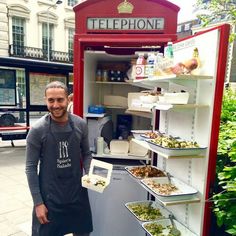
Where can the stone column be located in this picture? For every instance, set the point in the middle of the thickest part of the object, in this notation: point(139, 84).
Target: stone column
point(4, 36)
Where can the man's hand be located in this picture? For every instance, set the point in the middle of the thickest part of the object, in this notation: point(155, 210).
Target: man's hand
point(41, 213)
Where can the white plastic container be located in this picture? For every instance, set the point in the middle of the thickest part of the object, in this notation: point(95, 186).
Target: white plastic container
point(119, 147)
point(94, 181)
point(148, 98)
point(100, 145)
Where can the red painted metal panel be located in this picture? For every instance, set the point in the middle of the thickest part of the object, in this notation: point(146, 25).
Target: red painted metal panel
point(220, 77)
point(142, 8)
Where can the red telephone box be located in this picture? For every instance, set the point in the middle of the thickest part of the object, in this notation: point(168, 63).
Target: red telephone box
point(120, 28)
point(119, 24)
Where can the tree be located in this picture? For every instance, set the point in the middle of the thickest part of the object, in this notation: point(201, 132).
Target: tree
point(217, 10)
point(224, 197)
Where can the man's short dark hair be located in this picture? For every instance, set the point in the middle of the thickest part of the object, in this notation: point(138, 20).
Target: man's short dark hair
point(57, 84)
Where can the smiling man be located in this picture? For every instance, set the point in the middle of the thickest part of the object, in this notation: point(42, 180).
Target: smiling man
point(57, 153)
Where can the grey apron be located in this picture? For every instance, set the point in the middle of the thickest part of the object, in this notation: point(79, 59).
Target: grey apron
point(60, 184)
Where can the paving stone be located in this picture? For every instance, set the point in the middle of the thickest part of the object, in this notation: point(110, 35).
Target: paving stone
point(10, 205)
point(8, 229)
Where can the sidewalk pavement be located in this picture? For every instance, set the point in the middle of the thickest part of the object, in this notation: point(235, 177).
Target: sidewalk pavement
point(15, 199)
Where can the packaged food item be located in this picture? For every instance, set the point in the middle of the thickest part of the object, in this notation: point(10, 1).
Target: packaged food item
point(140, 67)
point(149, 67)
point(97, 180)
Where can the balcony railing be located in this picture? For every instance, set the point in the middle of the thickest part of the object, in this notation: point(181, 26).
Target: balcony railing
point(40, 54)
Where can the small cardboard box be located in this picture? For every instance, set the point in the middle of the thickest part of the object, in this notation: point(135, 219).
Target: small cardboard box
point(112, 100)
point(99, 176)
point(119, 147)
point(174, 98)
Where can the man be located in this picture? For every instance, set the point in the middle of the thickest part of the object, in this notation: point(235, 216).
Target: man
point(58, 142)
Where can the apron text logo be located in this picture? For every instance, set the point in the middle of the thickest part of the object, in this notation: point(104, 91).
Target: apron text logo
point(63, 149)
point(63, 161)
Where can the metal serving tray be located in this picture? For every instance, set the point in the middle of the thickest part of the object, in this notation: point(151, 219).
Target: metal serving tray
point(176, 151)
point(144, 217)
point(165, 223)
point(183, 189)
point(129, 168)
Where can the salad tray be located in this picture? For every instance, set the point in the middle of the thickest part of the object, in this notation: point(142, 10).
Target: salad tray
point(163, 226)
point(162, 188)
point(147, 210)
point(176, 151)
point(147, 171)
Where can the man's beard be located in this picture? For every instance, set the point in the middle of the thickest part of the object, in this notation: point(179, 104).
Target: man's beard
point(58, 113)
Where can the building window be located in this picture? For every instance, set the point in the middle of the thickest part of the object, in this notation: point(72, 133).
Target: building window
point(18, 35)
point(45, 38)
point(72, 2)
point(70, 42)
point(187, 27)
point(179, 28)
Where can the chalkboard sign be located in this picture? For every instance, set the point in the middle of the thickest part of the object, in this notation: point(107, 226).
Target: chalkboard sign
point(7, 87)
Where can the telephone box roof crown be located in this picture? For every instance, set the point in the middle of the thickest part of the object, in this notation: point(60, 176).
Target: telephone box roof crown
point(125, 7)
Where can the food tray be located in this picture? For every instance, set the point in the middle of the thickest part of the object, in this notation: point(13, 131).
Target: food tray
point(183, 189)
point(137, 133)
point(167, 223)
point(176, 151)
point(129, 168)
point(144, 214)
point(147, 134)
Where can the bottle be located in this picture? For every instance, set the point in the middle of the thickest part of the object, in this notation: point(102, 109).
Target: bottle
point(99, 75)
point(140, 67)
point(100, 145)
point(104, 75)
point(168, 60)
point(169, 51)
point(149, 67)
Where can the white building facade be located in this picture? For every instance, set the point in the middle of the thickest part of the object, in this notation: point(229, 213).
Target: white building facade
point(36, 47)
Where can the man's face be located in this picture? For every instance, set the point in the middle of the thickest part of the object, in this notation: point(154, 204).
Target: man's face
point(57, 102)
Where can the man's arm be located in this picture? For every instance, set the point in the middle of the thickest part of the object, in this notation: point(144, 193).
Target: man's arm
point(31, 169)
point(33, 147)
point(86, 154)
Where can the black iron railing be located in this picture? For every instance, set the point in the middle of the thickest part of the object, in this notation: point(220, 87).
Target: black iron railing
point(39, 54)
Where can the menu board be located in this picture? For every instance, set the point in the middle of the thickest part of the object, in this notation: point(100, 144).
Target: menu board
point(7, 87)
point(38, 82)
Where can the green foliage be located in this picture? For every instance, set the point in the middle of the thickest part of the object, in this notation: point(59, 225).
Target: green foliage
point(225, 200)
point(216, 10)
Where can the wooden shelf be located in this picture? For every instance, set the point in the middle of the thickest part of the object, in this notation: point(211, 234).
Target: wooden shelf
point(125, 157)
point(162, 81)
point(93, 115)
point(163, 154)
point(113, 83)
point(145, 114)
point(115, 107)
point(165, 107)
